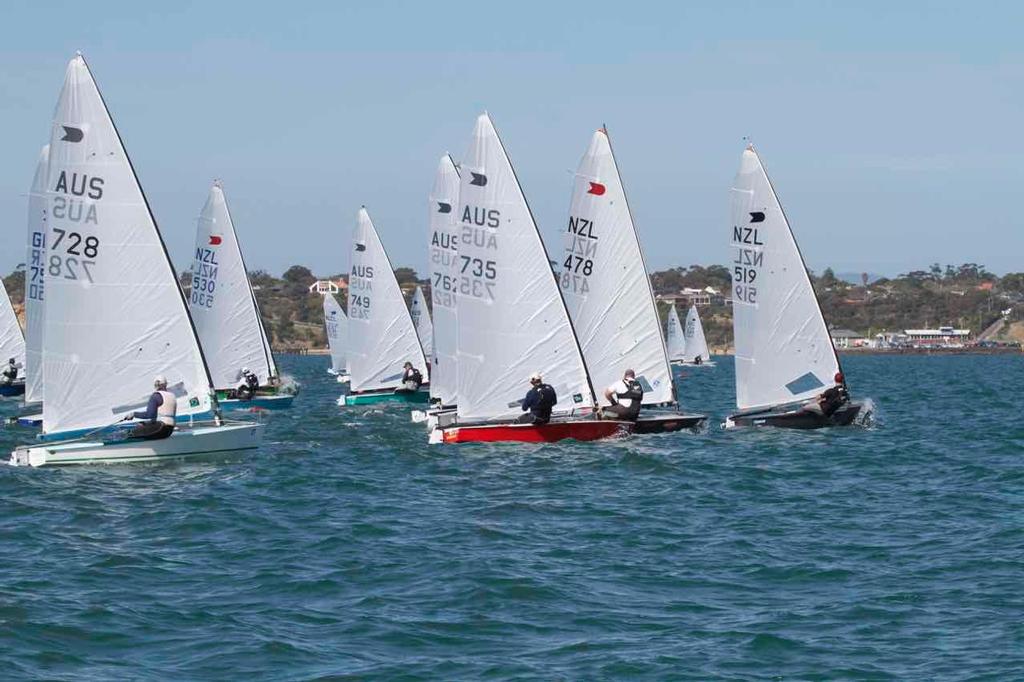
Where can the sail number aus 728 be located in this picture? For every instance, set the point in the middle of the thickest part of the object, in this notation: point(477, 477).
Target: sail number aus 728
point(79, 253)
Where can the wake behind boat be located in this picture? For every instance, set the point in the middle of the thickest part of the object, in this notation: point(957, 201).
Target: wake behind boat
point(787, 371)
point(514, 335)
point(115, 316)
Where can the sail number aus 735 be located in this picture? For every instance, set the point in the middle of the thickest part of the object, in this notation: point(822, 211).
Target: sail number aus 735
point(79, 253)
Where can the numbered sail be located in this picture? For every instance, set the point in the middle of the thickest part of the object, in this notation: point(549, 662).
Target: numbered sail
point(115, 316)
point(444, 202)
point(380, 331)
point(336, 325)
point(421, 319)
point(35, 272)
point(605, 283)
point(222, 302)
point(674, 336)
point(511, 317)
point(783, 349)
point(696, 344)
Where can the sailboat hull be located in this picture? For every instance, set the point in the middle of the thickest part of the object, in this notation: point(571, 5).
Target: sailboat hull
point(587, 429)
point(667, 423)
point(183, 443)
point(11, 390)
point(389, 396)
point(260, 402)
point(796, 418)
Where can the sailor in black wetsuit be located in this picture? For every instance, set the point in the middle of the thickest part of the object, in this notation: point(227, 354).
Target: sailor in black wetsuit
point(250, 384)
point(625, 397)
point(539, 401)
point(10, 372)
point(831, 399)
point(412, 379)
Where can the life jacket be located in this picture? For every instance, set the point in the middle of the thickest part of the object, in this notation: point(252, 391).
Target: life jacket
point(634, 392)
point(168, 409)
point(415, 376)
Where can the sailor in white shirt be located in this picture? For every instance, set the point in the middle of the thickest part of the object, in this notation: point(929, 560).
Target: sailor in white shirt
point(625, 397)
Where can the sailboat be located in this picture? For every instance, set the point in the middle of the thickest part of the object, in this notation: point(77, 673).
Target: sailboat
point(115, 316)
point(512, 321)
point(421, 319)
point(336, 326)
point(12, 346)
point(608, 292)
point(381, 334)
point(443, 249)
point(695, 352)
point(35, 274)
point(227, 316)
point(675, 339)
point(784, 354)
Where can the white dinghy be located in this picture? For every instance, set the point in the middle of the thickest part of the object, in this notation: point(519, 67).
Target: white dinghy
point(695, 351)
point(227, 317)
point(421, 320)
point(608, 293)
point(787, 370)
point(115, 316)
point(444, 252)
point(336, 327)
point(512, 321)
point(381, 334)
point(675, 339)
point(12, 348)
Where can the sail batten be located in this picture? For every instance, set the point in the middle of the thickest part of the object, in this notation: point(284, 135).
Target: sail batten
point(784, 352)
point(114, 314)
point(512, 320)
point(604, 280)
point(381, 334)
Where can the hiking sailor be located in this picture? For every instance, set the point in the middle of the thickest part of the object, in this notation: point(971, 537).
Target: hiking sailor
point(412, 379)
point(830, 399)
point(250, 383)
point(625, 397)
point(10, 372)
point(539, 400)
point(158, 417)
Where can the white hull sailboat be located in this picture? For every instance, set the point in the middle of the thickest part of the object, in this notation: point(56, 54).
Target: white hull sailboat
point(608, 293)
point(381, 333)
point(695, 353)
point(787, 370)
point(115, 316)
point(512, 320)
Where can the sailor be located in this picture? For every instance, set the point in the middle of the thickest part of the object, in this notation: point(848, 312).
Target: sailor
point(831, 399)
point(250, 383)
point(697, 360)
point(412, 379)
point(10, 372)
point(625, 397)
point(158, 417)
point(538, 401)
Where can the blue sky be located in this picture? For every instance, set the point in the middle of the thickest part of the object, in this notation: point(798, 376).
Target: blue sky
point(890, 130)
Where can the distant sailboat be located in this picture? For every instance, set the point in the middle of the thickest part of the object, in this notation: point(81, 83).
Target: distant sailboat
point(443, 249)
point(695, 351)
point(674, 337)
point(381, 334)
point(608, 292)
point(115, 316)
point(226, 314)
point(421, 319)
point(512, 320)
point(12, 347)
point(336, 326)
point(785, 360)
point(35, 274)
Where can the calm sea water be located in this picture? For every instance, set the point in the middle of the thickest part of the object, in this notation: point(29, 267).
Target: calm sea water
point(347, 547)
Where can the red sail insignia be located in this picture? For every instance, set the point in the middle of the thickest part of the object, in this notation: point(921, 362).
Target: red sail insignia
point(215, 240)
point(596, 188)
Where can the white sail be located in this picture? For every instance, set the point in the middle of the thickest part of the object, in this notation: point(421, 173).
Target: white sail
point(12, 340)
point(35, 273)
point(222, 302)
point(605, 283)
point(783, 349)
point(381, 334)
point(696, 344)
point(512, 320)
point(421, 320)
point(115, 316)
point(444, 201)
point(674, 336)
point(336, 325)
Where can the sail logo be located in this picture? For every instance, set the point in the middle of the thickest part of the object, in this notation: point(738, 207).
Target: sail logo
point(72, 134)
point(596, 188)
point(478, 179)
point(360, 247)
point(215, 240)
point(442, 207)
point(757, 216)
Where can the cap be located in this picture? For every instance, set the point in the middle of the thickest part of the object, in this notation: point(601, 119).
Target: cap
point(838, 378)
point(159, 380)
point(536, 377)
